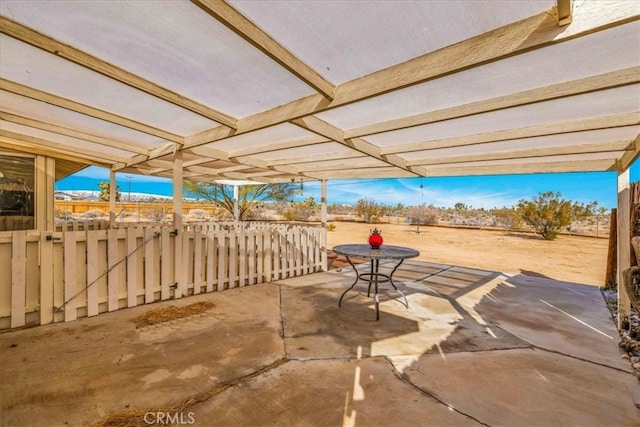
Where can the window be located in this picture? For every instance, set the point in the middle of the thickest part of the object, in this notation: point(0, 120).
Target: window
point(16, 193)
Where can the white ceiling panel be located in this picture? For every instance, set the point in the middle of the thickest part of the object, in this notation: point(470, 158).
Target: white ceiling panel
point(47, 113)
point(76, 143)
point(313, 152)
point(344, 40)
point(279, 133)
point(36, 68)
point(610, 156)
point(303, 90)
point(594, 138)
point(171, 43)
point(603, 52)
point(614, 101)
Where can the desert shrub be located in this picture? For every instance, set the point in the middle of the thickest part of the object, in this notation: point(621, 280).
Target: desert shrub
point(156, 213)
point(331, 227)
point(369, 210)
point(508, 218)
point(94, 213)
point(199, 213)
point(300, 211)
point(548, 213)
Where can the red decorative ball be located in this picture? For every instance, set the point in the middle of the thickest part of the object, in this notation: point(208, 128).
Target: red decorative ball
point(375, 239)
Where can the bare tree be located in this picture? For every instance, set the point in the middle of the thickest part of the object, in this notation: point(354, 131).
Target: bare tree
point(248, 195)
point(422, 215)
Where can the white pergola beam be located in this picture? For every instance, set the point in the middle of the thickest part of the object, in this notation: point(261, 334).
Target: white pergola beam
point(320, 127)
point(536, 32)
point(564, 11)
point(585, 85)
point(77, 107)
point(276, 146)
point(633, 151)
point(236, 22)
point(61, 130)
point(31, 141)
point(36, 39)
point(519, 168)
point(606, 122)
point(535, 152)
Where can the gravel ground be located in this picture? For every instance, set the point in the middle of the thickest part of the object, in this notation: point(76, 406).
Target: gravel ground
point(629, 332)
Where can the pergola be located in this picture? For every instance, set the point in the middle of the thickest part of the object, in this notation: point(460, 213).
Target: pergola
point(281, 91)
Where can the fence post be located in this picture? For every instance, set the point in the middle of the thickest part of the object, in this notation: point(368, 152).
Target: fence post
point(149, 264)
point(132, 267)
point(92, 273)
point(18, 278)
point(222, 258)
point(70, 277)
point(46, 278)
point(113, 276)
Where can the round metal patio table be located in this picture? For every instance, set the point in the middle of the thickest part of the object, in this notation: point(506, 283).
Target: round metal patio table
point(373, 277)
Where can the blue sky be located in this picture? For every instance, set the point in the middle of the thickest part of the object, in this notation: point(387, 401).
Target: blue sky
point(479, 192)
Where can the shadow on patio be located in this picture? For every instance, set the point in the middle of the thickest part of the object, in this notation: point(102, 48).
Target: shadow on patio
point(474, 347)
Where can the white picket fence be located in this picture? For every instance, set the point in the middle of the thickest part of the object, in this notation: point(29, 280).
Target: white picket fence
point(50, 277)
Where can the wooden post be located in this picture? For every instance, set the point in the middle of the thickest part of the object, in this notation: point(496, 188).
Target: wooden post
point(44, 193)
point(212, 253)
point(18, 278)
point(150, 265)
point(70, 276)
point(113, 276)
point(46, 278)
point(132, 267)
point(612, 258)
point(112, 199)
point(236, 208)
point(624, 243)
point(177, 224)
point(93, 272)
point(323, 215)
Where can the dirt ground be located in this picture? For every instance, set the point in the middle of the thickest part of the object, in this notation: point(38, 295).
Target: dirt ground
point(569, 258)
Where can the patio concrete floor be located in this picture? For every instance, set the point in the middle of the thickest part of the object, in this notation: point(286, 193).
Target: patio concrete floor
point(473, 348)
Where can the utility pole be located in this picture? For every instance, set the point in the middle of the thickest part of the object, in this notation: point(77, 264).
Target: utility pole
point(129, 178)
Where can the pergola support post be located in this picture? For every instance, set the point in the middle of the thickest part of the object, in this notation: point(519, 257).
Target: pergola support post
point(624, 243)
point(180, 269)
point(323, 219)
point(112, 198)
point(236, 208)
point(44, 193)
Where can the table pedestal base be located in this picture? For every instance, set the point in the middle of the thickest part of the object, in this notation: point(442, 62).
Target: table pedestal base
point(373, 278)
